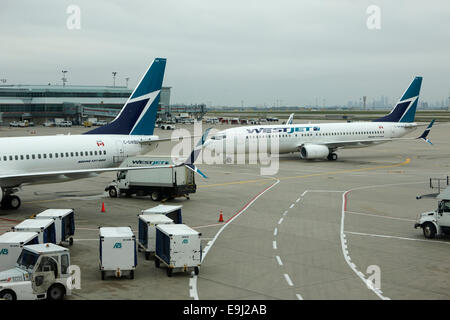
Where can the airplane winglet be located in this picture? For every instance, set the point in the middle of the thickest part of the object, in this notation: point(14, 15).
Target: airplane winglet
point(426, 132)
point(189, 162)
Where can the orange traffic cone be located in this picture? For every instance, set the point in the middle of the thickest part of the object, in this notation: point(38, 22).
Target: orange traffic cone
point(221, 216)
point(103, 207)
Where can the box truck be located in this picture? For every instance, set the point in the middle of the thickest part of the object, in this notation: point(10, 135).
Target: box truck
point(147, 231)
point(44, 227)
point(11, 245)
point(64, 223)
point(172, 212)
point(178, 247)
point(160, 183)
point(437, 222)
point(117, 251)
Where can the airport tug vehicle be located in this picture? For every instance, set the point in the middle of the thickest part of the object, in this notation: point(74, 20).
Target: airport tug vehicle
point(41, 272)
point(435, 223)
point(64, 224)
point(117, 251)
point(11, 245)
point(147, 231)
point(178, 247)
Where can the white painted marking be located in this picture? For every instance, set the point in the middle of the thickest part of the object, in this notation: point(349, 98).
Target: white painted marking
point(292, 205)
point(377, 216)
point(193, 286)
point(279, 260)
point(275, 232)
point(303, 194)
point(299, 297)
point(280, 221)
point(395, 237)
point(274, 244)
point(297, 200)
point(288, 280)
point(285, 213)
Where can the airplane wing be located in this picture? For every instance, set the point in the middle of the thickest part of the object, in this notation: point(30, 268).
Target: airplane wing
point(362, 143)
point(290, 120)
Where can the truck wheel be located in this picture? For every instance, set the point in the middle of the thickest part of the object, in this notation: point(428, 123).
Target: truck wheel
point(112, 192)
point(157, 262)
point(8, 295)
point(196, 271)
point(147, 255)
point(71, 242)
point(156, 195)
point(429, 230)
point(169, 272)
point(103, 275)
point(132, 274)
point(56, 292)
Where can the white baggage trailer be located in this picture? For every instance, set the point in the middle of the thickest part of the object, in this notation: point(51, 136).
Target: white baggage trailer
point(11, 245)
point(44, 227)
point(147, 231)
point(172, 212)
point(117, 251)
point(64, 223)
point(178, 247)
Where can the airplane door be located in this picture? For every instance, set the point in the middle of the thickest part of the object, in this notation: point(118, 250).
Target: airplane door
point(120, 152)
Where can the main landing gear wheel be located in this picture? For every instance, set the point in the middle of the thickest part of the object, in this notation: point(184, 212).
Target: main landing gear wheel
point(332, 156)
point(11, 202)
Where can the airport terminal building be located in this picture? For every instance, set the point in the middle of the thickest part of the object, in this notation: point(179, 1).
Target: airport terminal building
point(71, 102)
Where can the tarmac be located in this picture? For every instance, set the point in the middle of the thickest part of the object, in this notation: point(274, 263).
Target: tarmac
point(314, 230)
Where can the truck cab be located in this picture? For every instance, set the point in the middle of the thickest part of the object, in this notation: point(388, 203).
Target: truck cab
point(435, 223)
point(41, 272)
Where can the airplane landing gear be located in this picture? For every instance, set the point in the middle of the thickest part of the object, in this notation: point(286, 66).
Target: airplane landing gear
point(332, 156)
point(9, 200)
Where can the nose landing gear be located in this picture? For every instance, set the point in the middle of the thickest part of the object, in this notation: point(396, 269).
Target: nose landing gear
point(332, 156)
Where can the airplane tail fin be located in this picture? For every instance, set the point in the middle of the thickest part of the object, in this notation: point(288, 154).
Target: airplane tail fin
point(405, 109)
point(290, 120)
point(138, 115)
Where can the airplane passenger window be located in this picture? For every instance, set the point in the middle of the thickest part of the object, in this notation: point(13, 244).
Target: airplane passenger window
point(39, 156)
point(62, 154)
point(71, 154)
point(10, 157)
point(104, 151)
point(16, 157)
point(67, 154)
point(21, 157)
point(45, 156)
point(81, 153)
point(76, 154)
point(90, 152)
point(33, 156)
point(5, 158)
point(95, 152)
point(56, 155)
point(50, 155)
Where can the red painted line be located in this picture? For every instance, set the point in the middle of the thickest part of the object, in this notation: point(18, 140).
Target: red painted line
point(345, 199)
point(13, 220)
point(248, 203)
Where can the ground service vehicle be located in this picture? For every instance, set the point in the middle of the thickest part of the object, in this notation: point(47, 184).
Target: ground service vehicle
point(42, 271)
point(436, 222)
point(160, 183)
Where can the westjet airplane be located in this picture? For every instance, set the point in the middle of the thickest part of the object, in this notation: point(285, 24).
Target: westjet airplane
point(50, 159)
point(322, 140)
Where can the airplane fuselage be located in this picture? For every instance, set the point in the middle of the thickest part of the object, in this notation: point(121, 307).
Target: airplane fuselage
point(292, 137)
point(65, 152)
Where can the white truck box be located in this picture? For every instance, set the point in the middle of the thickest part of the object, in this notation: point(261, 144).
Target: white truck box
point(44, 227)
point(147, 231)
point(64, 223)
point(11, 245)
point(178, 247)
point(171, 211)
point(117, 251)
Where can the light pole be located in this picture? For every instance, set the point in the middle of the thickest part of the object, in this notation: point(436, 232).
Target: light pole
point(3, 81)
point(64, 79)
point(114, 78)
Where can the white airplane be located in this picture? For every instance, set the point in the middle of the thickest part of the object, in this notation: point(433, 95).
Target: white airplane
point(322, 140)
point(60, 158)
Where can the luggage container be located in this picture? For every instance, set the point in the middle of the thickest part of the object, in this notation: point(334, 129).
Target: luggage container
point(178, 247)
point(172, 212)
point(64, 223)
point(117, 251)
point(44, 227)
point(11, 245)
point(147, 231)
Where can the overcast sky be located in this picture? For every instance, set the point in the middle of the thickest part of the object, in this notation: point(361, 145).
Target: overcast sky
point(228, 51)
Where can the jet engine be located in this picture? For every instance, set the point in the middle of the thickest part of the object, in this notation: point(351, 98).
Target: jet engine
point(314, 151)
